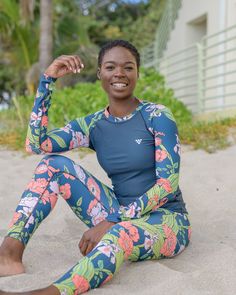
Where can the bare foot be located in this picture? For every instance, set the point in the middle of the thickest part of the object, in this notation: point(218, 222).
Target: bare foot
point(9, 267)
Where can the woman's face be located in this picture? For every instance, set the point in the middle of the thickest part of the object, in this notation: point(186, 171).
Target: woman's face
point(118, 73)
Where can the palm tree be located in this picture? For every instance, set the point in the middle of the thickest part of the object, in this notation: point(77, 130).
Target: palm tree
point(46, 34)
point(19, 49)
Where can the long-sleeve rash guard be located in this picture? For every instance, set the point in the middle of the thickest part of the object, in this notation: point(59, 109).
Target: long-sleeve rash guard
point(140, 152)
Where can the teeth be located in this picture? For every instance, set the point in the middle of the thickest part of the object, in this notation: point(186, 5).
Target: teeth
point(119, 85)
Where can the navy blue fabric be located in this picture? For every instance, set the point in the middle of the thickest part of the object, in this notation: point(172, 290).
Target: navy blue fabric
point(126, 151)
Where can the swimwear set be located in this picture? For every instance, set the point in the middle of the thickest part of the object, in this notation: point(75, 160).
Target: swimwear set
point(140, 154)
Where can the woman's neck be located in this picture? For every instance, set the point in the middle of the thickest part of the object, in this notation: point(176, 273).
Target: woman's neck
point(122, 108)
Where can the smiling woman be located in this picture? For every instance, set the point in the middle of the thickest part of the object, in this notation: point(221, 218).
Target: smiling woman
point(143, 216)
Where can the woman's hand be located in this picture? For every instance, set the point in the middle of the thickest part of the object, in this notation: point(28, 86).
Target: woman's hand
point(93, 236)
point(64, 64)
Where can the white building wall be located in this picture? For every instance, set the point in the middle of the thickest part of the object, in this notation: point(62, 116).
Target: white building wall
point(193, 11)
point(196, 19)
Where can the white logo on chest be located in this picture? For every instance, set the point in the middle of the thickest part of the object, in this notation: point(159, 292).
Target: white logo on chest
point(138, 140)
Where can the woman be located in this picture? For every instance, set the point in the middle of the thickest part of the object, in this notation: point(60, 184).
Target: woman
point(144, 216)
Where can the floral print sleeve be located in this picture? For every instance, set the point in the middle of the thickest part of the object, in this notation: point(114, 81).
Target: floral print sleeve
point(167, 161)
point(39, 140)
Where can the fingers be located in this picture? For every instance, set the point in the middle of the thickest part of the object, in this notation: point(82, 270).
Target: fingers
point(72, 62)
point(89, 248)
point(86, 246)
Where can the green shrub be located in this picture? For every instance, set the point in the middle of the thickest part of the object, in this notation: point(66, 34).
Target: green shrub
point(86, 98)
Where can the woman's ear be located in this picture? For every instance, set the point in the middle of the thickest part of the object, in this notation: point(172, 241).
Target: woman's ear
point(98, 74)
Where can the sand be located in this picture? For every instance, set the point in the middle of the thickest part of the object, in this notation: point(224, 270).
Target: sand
point(207, 266)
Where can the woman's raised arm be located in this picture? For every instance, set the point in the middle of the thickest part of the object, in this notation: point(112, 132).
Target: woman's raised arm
point(39, 140)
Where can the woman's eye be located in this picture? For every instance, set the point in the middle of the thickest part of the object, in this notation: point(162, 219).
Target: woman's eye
point(129, 68)
point(109, 67)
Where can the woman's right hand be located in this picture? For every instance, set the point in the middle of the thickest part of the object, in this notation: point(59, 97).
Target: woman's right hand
point(63, 65)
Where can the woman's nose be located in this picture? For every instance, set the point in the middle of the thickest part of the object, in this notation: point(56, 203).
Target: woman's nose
point(119, 72)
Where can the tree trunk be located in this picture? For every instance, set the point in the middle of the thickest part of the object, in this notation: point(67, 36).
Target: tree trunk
point(46, 34)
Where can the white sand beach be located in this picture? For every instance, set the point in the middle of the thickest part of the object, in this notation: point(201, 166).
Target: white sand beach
point(207, 266)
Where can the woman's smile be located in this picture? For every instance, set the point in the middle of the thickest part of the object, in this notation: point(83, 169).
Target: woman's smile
point(119, 74)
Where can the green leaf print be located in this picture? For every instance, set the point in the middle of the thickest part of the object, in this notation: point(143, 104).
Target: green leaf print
point(170, 221)
point(157, 246)
point(83, 125)
point(66, 169)
point(135, 254)
point(107, 193)
point(144, 225)
point(112, 239)
point(79, 202)
point(100, 264)
point(95, 119)
point(176, 165)
point(168, 114)
point(58, 139)
point(174, 180)
point(85, 268)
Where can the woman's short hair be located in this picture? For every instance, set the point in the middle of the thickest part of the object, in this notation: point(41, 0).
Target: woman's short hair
point(119, 43)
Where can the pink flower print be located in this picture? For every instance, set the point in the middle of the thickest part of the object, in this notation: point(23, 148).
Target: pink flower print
point(65, 191)
point(159, 133)
point(46, 146)
point(148, 243)
point(49, 197)
point(93, 187)
point(28, 203)
point(16, 217)
point(44, 121)
point(78, 140)
point(130, 211)
point(106, 250)
point(165, 183)
point(108, 278)
point(72, 144)
point(125, 243)
point(97, 212)
point(81, 284)
point(160, 155)
point(170, 242)
point(52, 170)
point(133, 231)
point(35, 118)
point(154, 106)
point(189, 233)
point(27, 145)
point(109, 250)
point(158, 141)
point(154, 201)
point(80, 173)
point(38, 186)
point(177, 147)
point(41, 169)
point(66, 129)
point(68, 176)
point(54, 187)
point(30, 221)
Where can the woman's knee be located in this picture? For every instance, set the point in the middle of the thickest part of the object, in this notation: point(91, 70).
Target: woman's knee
point(57, 162)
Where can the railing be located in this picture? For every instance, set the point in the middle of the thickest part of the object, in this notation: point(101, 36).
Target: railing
point(203, 75)
point(155, 49)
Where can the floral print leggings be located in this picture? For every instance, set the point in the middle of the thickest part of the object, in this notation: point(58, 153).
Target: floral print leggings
point(159, 234)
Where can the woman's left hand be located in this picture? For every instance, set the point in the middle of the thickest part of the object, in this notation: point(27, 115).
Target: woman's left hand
point(93, 236)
